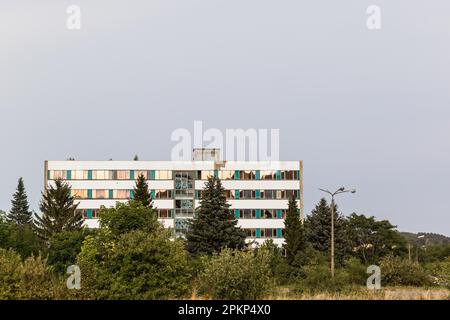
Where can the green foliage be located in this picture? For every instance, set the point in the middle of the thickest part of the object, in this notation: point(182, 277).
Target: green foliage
point(21, 238)
point(139, 265)
point(31, 279)
point(20, 210)
point(317, 278)
point(141, 192)
point(64, 248)
point(371, 239)
point(396, 271)
point(214, 226)
point(235, 274)
point(294, 232)
point(440, 272)
point(318, 231)
point(126, 217)
point(58, 212)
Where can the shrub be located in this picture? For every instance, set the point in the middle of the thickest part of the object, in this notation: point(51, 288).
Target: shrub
point(317, 278)
point(396, 271)
point(440, 272)
point(64, 248)
point(234, 274)
point(137, 266)
point(31, 279)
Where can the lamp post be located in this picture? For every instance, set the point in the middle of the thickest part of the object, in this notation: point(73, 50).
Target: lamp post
point(332, 194)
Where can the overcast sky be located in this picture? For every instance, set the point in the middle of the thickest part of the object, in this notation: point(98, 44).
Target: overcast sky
point(364, 109)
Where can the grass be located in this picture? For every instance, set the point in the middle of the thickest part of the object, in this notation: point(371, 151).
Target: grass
point(388, 293)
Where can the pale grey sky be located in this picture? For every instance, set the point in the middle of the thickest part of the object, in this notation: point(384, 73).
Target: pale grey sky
point(366, 109)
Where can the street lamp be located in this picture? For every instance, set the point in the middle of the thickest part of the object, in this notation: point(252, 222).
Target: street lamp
point(332, 194)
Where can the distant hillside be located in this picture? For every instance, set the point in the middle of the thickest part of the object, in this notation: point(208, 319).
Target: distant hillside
point(426, 238)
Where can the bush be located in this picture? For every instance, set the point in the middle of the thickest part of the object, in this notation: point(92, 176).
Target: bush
point(138, 266)
point(439, 272)
point(64, 248)
point(31, 279)
point(126, 217)
point(317, 278)
point(234, 274)
point(396, 271)
point(356, 271)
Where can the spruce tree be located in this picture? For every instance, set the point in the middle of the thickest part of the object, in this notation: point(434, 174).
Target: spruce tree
point(58, 212)
point(318, 230)
point(20, 210)
point(214, 226)
point(294, 232)
point(141, 192)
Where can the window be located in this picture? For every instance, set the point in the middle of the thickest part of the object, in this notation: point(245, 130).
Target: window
point(268, 175)
point(80, 193)
point(139, 173)
point(247, 213)
point(121, 194)
point(164, 213)
point(247, 194)
point(123, 175)
point(79, 175)
point(251, 233)
point(163, 175)
point(100, 194)
point(163, 194)
point(248, 175)
point(58, 174)
point(268, 233)
point(268, 214)
point(226, 175)
point(102, 175)
point(206, 174)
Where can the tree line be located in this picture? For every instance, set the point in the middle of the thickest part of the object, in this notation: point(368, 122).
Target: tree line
point(131, 255)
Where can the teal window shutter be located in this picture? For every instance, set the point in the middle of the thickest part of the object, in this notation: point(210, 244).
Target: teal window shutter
point(236, 213)
point(258, 175)
point(278, 213)
point(152, 194)
point(89, 174)
point(131, 174)
point(152, 174)
point(89, 213)
point(258, 213)
point(236, 174)
point(111, 194)
point(216, 173)
point(89, 194)
point(236, 194)
point(132, 194)
point(258, 194)
point(69, 174)
point(279, 234)
point(258, 232)
point(278, 175)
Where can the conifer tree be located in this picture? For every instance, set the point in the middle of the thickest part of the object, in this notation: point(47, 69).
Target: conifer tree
point(20, 210)
point(214, 226)
point(294, 232)
point(141, 192)
point(58, 211)
point(318, 230)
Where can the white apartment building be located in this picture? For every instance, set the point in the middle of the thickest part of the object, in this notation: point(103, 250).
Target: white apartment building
point(258, 192)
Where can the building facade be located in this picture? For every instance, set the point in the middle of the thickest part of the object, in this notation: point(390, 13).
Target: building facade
point(258, 192)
